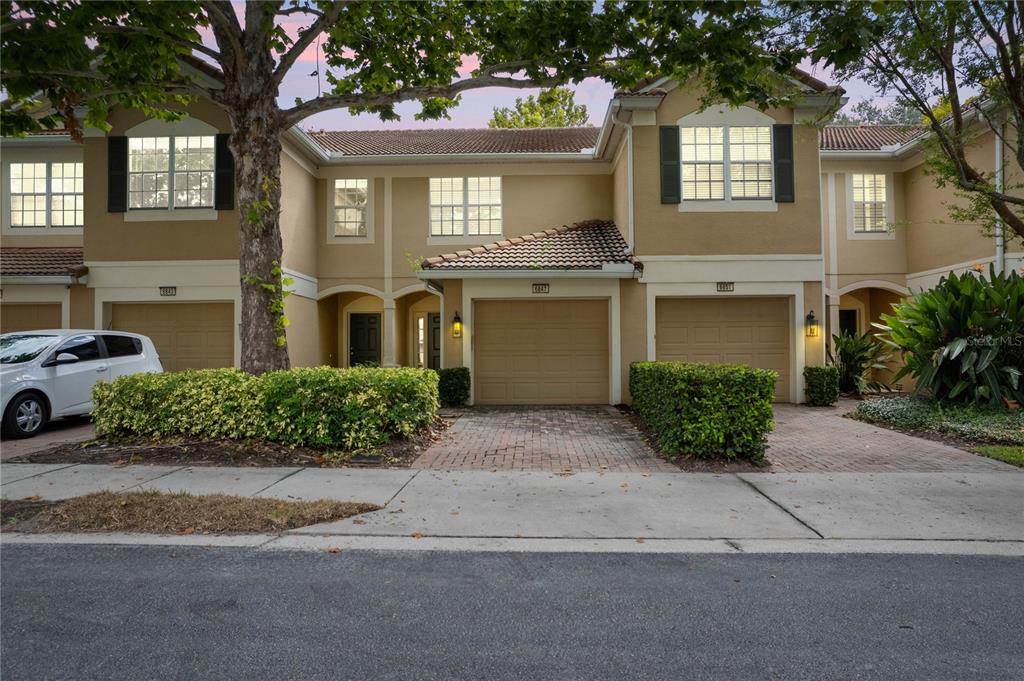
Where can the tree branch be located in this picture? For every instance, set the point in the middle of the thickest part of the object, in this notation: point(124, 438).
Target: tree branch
point(227, 32)
point(450, 91)
point(306, 38)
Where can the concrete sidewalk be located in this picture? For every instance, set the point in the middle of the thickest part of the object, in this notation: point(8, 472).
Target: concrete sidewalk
point(480, 506)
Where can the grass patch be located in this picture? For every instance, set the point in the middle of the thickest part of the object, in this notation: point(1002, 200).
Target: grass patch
point(1011, 454)
point(969, 423)
point(162, 513)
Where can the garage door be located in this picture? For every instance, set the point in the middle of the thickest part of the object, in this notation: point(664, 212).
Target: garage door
point(186, 335)
point(540, 352)
point(752, 331)
point(29, 316)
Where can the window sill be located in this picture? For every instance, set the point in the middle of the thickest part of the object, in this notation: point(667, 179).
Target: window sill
point(728, 206)
point(34, 230)
point(169, 214)
point(888, 235)
point(341, 240)
point(465, 240)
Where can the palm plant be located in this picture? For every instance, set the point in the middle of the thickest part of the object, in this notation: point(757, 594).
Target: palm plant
point(856, 357)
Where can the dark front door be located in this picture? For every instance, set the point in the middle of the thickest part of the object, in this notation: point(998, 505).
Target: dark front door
point(848, 322)
point(434, 341)
point(363, 339)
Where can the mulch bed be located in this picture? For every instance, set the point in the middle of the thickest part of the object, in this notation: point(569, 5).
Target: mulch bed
point(688, 462)
point(162, 513)
point(193, 451)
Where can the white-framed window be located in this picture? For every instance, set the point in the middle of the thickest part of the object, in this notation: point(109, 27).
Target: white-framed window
point(351, 207)
point(465, 206)
point(869, 195)
point(46, 194)
point(67, 202)
point(151, 182)
point(726, 163)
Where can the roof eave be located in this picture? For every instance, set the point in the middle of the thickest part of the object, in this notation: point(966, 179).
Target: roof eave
point(339, 158)
point(40, 279)
point(607, 271)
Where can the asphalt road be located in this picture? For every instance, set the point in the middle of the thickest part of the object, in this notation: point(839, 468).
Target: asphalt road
point(90, 612)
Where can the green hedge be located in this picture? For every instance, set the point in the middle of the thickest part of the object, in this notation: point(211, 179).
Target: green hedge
point(975, 422)
point(707, 410)
point(453, 386)
point(346, 409)
point(821, 385)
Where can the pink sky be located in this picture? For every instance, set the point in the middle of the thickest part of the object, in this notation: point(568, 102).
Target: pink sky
point(475, 108)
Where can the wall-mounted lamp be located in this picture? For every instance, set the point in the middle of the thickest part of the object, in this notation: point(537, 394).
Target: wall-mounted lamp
point(457, 326)
point(811, 325)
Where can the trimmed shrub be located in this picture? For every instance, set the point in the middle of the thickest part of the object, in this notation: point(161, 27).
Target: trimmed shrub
point(821, 385)
point(964, 339)
point(453, 386)
point(321, 407)
point(707, 410)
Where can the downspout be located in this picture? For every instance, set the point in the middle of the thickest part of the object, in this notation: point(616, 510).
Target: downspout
point(630, 230)
point(1000, 263)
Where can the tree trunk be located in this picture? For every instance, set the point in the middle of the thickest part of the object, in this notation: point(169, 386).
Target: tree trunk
point(256, 145)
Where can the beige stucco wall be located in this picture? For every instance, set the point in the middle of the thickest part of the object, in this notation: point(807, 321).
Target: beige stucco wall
point(661, 229)
point(451, 347)
point(933, 239)
point(109, 237)
point(814, 348)
point(620, 190)
point(298, 216)
point(82, 310)
point(15, 152)
point(633, 328)
point(327, 326)
point(361, 263)
point(302, 333)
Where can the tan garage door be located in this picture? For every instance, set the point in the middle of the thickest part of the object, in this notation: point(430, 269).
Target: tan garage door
point(186, 335)
point(540, 352)
point(29, 316)
point(752, 331)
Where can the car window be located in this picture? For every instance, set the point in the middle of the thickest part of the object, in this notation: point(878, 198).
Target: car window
point(122, 346)
point(82, 347)
point(16, 348)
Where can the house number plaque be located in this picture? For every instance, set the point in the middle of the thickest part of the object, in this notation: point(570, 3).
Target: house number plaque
point(542, 288)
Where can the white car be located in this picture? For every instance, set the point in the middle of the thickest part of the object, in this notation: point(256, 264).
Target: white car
point(49, 374)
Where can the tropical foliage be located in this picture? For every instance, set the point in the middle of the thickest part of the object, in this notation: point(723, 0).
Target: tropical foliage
point(964, 339)
point(857, 358)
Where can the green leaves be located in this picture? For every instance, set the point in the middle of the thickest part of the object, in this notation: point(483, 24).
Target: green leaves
point(857, 357)
point(964, 339)
point(554, 108)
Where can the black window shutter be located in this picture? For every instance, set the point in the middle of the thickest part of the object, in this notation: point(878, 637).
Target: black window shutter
point(117, 174)
point(224, 171)
point(669, 142)
point(785, 187)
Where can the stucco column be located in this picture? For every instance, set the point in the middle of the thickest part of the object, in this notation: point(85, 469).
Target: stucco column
point(833, 318)
point(388, 341)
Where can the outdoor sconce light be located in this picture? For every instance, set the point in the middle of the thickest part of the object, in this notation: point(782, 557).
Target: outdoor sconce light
point(811, 325)
point(457, 326)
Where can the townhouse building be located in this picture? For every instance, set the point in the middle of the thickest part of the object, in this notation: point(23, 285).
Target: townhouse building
point(545, 260)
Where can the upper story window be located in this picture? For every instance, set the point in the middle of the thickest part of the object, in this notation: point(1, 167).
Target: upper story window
point(351, 206)
point(465, 206)
point(869, 203)
point(46, 194)
point(171, 172)
point(726, 162)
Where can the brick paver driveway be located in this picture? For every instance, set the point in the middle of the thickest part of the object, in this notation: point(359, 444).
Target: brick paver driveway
point(821, 440)
point(564, 439)
point(542, 439)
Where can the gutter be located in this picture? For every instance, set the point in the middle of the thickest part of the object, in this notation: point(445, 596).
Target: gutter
point(630, 231)
point(41, 279)
point(612, 271)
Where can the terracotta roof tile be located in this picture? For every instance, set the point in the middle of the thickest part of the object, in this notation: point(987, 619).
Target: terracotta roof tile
point(41, 262)
point(457, 141)
point(866, 137)
point(585, 245)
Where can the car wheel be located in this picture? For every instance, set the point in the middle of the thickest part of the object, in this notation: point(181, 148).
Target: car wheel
point(25, 416)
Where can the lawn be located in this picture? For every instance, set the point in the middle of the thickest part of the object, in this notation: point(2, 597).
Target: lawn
point(1011, 454)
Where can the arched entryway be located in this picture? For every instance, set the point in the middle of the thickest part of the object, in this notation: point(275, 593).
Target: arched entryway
point(855, 309)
